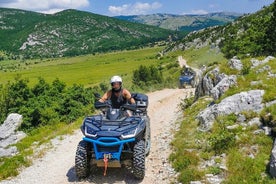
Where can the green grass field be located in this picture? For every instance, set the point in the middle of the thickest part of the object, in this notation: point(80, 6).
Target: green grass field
point(87, 70)
point(90, 70)
point(203, 56)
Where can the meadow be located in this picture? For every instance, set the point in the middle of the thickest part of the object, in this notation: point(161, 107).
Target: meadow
point(88, 70)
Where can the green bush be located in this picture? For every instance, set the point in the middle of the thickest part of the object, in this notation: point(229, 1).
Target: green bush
point(44, 103)
point(147, 75)
point(221, 139)
point(190, 174)
point(187, 102)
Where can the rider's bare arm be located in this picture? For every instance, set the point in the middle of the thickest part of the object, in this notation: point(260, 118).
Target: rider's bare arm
point(105, 96)
point(127, 95)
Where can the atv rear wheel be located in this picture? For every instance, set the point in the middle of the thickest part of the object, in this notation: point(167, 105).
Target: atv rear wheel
point(139, 160)
point(82, 159)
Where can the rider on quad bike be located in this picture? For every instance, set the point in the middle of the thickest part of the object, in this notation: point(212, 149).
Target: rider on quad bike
point(117, 94)
point(114, 138)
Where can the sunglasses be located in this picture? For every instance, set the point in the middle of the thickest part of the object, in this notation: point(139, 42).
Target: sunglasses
point(114, 83)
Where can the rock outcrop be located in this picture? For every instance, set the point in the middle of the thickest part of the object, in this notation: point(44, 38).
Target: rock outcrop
point(235, 63)
point(9, 135)
point(244, 101)
point(256, 62)
point(214, 84)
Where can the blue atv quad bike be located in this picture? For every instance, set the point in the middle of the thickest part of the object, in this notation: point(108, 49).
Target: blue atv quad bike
point(114, 138)
point(187, 77)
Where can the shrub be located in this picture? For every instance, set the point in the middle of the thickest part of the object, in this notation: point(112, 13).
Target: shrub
point(190, 174)
point(145, 76)
point(187, 102)
point(45, 103)
point(221, 138)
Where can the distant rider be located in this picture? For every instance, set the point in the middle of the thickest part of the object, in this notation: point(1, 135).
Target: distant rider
point(117, 95)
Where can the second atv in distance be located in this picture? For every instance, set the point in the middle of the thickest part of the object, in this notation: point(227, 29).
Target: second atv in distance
point(187, 78)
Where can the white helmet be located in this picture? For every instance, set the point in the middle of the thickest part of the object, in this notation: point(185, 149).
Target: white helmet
point(116, 79)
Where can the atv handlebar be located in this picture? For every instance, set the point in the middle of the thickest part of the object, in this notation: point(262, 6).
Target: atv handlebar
point(100, 105)
point(132, 107)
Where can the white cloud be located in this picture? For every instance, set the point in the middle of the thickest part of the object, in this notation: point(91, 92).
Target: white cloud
point(196, 12)
point(45, 6)
point(134, 9)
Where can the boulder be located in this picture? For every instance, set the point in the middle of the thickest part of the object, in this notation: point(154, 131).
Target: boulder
point(214, 84)
point(244, 101)
point(9, 134)
point(256, 62)
point(235, 64)
point(12, 122)
point(223, 86)
point(10, 151)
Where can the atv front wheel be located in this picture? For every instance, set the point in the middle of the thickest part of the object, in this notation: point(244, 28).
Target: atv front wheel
point(139, 160)
point(82, 159)
point(148, 138)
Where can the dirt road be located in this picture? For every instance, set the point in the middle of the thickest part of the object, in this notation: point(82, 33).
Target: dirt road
point(57, 166)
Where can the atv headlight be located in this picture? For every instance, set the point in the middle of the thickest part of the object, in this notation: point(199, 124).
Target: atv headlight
point(89, 131)
point(129, 134)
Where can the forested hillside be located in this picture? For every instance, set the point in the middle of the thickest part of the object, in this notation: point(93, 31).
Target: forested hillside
point(252, 34)
point(26, 34)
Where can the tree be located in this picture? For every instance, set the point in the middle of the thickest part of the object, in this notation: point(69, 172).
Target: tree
point(41, 87)
point(146, 76)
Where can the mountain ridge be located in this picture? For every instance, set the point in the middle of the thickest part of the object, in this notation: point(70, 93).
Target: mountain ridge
point(71, 32)
point(189, 22)
point(26, 34)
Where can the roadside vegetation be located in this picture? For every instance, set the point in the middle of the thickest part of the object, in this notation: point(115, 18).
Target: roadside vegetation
point(242, 154)
point(245, 153)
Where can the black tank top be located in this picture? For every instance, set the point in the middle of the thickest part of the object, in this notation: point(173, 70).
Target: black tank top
point(117, 102)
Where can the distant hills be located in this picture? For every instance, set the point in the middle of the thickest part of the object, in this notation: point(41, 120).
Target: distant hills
point(27, 34)
point(183, 22)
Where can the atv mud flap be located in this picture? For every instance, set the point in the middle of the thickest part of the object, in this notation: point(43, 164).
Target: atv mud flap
point(108, 147)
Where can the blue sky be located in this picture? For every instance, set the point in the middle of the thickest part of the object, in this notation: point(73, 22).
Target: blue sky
point(133, 7)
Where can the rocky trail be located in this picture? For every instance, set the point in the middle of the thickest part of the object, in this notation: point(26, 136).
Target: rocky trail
point(57, 165)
